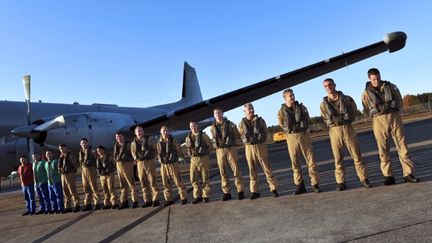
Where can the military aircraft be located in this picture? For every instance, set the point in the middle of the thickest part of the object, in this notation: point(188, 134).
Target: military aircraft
point(50, 124)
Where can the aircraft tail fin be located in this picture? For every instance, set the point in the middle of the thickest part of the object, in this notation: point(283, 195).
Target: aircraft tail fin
point(191, 92)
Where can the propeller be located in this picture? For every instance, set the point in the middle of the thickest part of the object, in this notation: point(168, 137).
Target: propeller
point(26, 84)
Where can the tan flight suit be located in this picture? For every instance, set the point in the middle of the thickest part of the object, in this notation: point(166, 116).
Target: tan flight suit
point(224, 138)
point(67, 168)
point(199, 146)
point(89, 176)
point(338, 115)
point(125, 169)
point(383, 105)
point(106, 168)
point(254, 134)
point(168, 154)
point(144, 153)
point(295, 122)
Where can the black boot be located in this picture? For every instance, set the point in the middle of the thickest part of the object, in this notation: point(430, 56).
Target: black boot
point(241, 196)
point(124, 205)
point(366, 183)
point(135, 205)
point(183, 202)
point(115, 206)
point(341, 187)
point(77, 209)
point(196, 200)
point(155, 203)
point(147, 204)
point(66, 210)
point(226, 197)
point(167, 203)
point(98, 206)
point(275, 193)
point(300, 189)
point(254, 195)
point(316, 188)
point(87, 208)
point(205, 200)
point(411, 179)
point(389, 180)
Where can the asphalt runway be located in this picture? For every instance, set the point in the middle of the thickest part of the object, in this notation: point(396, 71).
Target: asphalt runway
point(379, 214)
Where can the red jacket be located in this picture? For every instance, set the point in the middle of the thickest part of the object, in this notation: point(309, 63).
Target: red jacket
point(26, 174)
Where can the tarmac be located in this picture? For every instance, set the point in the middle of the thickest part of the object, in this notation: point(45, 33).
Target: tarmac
point(401, 212)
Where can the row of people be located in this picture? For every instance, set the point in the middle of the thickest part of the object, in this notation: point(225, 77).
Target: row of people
point(381, 100)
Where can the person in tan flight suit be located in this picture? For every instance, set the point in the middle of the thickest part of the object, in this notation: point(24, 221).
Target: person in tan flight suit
point(225, 135)
point(199, 146)
point(143, 150)
point(382, 101)
point(124, 163)
point(339, 111)
point(106, 167)
point(253, 131)
point(67, 166)
point(88, 175)
point(169, 152)
point(293, 118)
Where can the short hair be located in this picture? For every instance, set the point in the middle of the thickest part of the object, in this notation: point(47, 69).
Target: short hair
point(84, 139)
point(49, 150)
point(287, 91)
point(329, 80)
point(217, 109)
point(62, 145)
point(119, 133)
point(23, 157)
point(101, 147)
point(138, 126)
point(373, 71)
point(194, 121)
point(248, 104)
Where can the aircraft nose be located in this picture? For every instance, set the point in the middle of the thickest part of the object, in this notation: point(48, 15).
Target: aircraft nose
point(24, 131)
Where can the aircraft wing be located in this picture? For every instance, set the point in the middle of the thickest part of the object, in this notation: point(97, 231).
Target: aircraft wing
point(177, 119)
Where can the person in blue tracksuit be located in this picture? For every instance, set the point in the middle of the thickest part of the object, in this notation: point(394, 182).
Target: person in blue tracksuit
point(54, 182)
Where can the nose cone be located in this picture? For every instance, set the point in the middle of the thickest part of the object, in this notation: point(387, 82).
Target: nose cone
point(24, 131)
point(395, 40)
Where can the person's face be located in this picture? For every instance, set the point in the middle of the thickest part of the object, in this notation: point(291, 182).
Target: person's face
point(193, 127)
point(375, 80)
point(139, 132)
point(218, 115)
point(49, 155)
point(119, 138)
point(164, 132)
point(329, 87)
point(84, 144)
point(36, 157)
point(289, 98)
point(62, 149)
point(249, 110)
point(23, 160)
point(100, 152)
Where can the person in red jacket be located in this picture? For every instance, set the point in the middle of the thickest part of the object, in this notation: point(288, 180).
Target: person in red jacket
point(25, 172)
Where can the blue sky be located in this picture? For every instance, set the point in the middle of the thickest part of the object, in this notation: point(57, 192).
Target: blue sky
point(131, 53)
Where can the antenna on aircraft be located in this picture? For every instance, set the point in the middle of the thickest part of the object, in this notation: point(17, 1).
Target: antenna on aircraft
point(26, 84)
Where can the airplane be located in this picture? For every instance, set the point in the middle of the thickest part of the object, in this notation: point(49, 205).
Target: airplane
point(49, 124)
